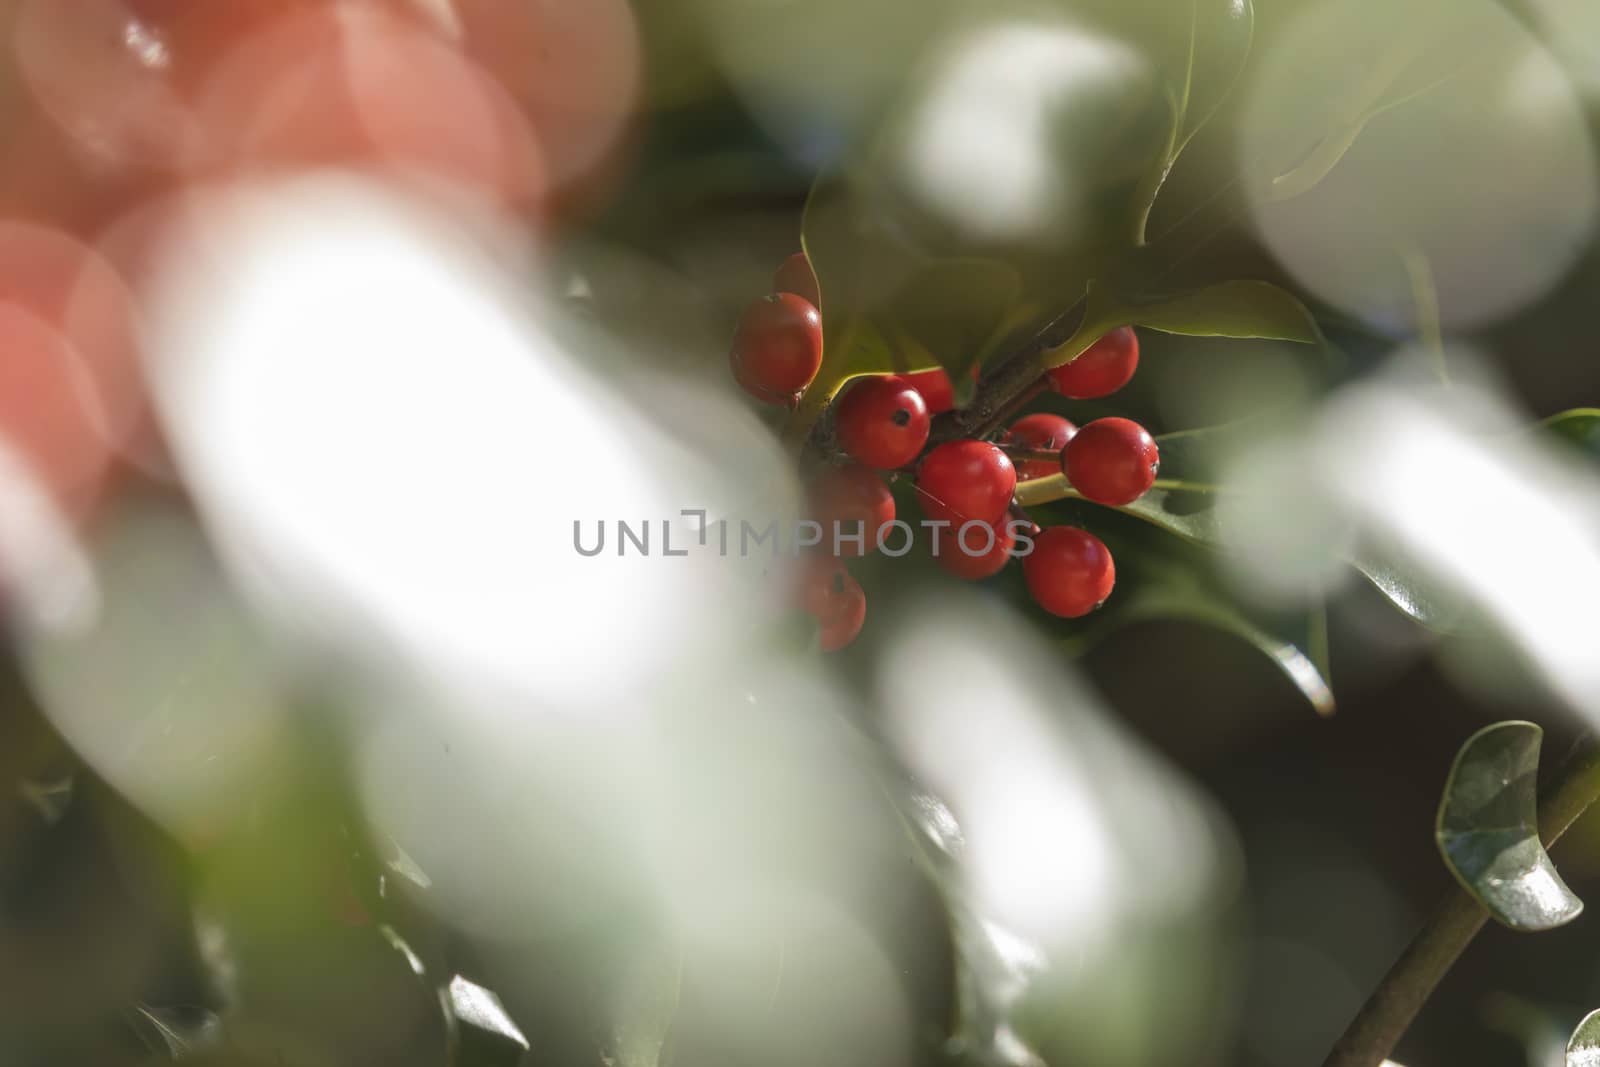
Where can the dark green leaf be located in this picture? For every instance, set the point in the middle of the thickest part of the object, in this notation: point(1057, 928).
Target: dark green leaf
point(1229, 309)
point(953, 310)
point(1488, 830)
point(1583, 1048)
point(1244, 309)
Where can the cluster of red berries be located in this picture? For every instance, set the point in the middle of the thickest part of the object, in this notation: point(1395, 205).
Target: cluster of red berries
point(965, 487)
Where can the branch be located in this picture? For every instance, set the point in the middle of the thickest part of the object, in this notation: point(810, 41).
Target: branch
point(1387, 1014)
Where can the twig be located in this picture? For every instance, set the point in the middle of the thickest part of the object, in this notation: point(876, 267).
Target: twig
point(1387, 1014)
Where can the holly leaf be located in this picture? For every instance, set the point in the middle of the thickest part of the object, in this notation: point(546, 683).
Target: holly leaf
point(952, 311)
point(1200, 59)
point(1243, 309)
point(1409, 587)
point(1488, 830)
point(1583, 1048)
point(889, 309)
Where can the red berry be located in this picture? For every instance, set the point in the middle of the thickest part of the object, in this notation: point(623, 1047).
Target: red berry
point(1106, 366)
point(1069, 572)
point(936, 390)
point(883, 422)
point(964, 480)
point(849, 500)
point(834, 599)
point(1112, 461)
point(797, 277)
point(935, 387)
point(1042, 432)
point(969, 551)
point(778, 348)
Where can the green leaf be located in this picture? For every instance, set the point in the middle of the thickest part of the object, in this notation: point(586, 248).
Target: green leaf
point(1488, 830)
point(1583, 1048)
point(1200, 59)
point(889, 309)
point(1244, 309)
point(952, 311)
point(1579, 426)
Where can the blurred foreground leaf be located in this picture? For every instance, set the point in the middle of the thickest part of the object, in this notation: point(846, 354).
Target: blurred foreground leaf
point(1583, 1049)
point(641, 1029)
point(484, 1035)
point(1488, 830)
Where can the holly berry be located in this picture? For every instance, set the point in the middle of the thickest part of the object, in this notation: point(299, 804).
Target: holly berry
point(963, 480)
point(1069, 572)
point(1106, 366)
point(936, 390)
point(834, 599)
point(778, 347)
point(1040, 432)
point(797, 277)
point(1112, 461)
point(849, 500)
point(883, 422)
point(968, 551)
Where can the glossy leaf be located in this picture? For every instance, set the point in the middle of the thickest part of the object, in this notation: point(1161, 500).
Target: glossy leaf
point(1409, 588)
point(485, 1035)
point(1488, 830)
point(1583, 1048)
